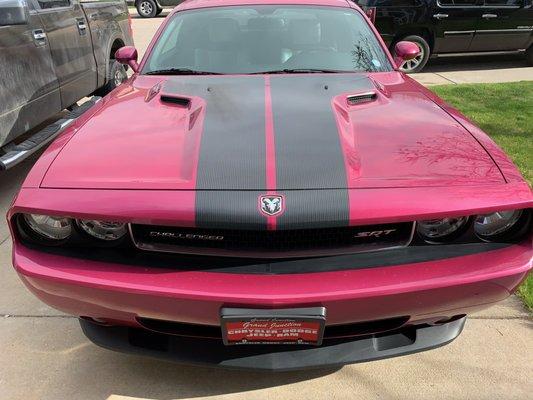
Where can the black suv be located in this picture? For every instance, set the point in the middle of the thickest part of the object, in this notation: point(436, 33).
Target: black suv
point(454, 26)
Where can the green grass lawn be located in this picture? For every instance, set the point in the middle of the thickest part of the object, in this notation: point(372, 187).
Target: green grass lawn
point(505, 112)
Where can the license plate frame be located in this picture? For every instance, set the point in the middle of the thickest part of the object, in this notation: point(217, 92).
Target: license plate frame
point(288, 326)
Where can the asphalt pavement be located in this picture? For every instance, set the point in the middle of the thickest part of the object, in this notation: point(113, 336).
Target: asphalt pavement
point(45, 356)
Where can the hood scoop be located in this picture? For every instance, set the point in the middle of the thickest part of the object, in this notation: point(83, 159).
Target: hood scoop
point(177, 100)
point(360, 98)
point(165, 97)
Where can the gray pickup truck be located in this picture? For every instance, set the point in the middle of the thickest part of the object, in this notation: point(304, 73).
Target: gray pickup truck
point(152, 8)
point(52, 54)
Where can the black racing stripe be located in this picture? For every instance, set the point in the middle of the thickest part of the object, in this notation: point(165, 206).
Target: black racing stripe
point(229, 209)
point(308, 150)
point(232, 149)
point(232, 152)
point(307, 209)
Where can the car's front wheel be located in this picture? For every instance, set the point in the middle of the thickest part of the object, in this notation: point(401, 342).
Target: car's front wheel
point(529, 55)
point(147, 8)
point(419, 62)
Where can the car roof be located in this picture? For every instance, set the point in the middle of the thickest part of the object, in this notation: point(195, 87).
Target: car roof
point(194, 4)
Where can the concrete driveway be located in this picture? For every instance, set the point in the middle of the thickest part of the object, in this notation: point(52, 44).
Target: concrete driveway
point(45, 356)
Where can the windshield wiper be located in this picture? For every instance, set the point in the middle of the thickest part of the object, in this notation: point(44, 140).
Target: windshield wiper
point(300, 71)
point(180, 71)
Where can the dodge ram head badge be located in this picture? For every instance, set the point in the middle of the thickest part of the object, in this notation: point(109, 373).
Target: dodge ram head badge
point(271, 205)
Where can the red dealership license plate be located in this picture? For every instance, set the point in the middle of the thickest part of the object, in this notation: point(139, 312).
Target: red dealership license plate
point(282, 326)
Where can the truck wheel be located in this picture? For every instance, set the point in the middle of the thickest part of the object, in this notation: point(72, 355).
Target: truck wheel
point(529, 55)
point(147, 8)
point(117, 74)
point(419, 62)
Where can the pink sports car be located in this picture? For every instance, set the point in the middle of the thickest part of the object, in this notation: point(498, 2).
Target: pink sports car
point(268, 191)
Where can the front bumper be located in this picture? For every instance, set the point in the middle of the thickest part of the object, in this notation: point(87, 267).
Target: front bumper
point(422, 292)
point(331, 353)
point(429, 298)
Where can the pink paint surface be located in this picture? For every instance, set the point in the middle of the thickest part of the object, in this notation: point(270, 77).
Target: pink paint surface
point(404, 148)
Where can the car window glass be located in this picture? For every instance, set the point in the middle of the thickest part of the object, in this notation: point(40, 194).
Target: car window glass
point(252, 39)
point(503, 2)
point(401, 3)
point(47, 4)
point(169, 38)
point(457, 3)
point(389, 3)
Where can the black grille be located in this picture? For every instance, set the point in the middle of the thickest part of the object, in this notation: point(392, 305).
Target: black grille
point(280, 243)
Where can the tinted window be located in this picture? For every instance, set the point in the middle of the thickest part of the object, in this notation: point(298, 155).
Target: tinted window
point(457, 3)
point(388, 3)
point(503, 2)
point(253, 39)
point(47, 4)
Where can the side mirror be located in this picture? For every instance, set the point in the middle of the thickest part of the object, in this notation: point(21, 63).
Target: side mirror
point(13, 12)
point(371, 14)
point(404, 51)
point(127, 55)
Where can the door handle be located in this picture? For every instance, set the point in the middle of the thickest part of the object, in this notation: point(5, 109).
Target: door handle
point(489, 16)
point(440, 16)
point(39, 37)
point(82, 27)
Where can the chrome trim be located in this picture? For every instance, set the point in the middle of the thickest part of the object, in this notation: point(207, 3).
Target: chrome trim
point(477, 53)
point(477, 6)
point(504, 30)
point(39, 34)
point(9, 160)
point(459, 32)
point(250, 254)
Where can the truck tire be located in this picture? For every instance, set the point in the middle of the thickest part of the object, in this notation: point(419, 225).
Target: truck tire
point(147, 8)
point(529, 55)
point(116, 75)
point(418, 63)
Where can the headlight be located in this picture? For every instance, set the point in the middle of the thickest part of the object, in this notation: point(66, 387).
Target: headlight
point(496, 225)
point(104, 230)
point(48, 227)
point(437, 230)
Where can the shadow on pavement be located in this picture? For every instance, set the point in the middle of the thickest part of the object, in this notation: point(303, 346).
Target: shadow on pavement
point(475, 63)
point(146, 378)
point(161, 16)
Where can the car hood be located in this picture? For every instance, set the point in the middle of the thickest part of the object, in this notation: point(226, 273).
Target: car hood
point(270, 133)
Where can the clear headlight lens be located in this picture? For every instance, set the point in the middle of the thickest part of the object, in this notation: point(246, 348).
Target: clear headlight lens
point(104, 230)
point(491, 225)
point(440, 229)
point(48, 227)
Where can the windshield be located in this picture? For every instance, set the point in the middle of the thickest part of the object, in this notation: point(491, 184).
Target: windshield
point(272, 38)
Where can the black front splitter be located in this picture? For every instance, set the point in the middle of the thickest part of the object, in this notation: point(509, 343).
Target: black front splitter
point(333, 352)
